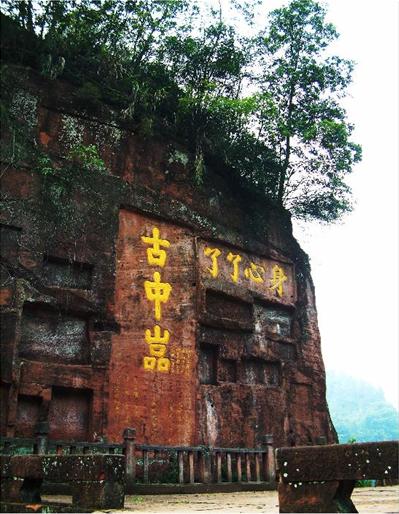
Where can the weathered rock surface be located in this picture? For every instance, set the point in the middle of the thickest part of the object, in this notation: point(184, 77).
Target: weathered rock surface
point(186, 312)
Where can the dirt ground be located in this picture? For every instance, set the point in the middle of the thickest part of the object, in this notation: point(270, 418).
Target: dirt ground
point(368, 499)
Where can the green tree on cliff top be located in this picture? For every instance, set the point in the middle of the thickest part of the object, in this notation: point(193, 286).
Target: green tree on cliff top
point(267, 107)
point(299, 113)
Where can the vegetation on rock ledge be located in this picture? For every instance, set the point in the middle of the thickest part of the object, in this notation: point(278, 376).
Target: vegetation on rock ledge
point(266, 104)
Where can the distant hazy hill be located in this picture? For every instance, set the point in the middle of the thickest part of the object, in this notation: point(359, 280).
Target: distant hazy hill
point(359, 410)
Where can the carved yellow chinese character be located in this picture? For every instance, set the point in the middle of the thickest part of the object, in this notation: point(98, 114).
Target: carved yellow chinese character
point(157, 350)
point(157, 337)
point(149, 363)
point(163, 365)
point(157, 292)
point(155, 255)
point(152, 364)
point(255, 273)
point(277, 280)
point(235, 259)
point(213, 253)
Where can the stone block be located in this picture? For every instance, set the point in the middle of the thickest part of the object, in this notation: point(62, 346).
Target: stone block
point(315, 497)
point(11, 488)
point(357, 461)
point(102, 494)
point(97, 481)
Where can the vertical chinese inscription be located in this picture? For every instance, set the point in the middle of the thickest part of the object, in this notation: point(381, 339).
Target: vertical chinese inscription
point(157, 396)
point(158, 292)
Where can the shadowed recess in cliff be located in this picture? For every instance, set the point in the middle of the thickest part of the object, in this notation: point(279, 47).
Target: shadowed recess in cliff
point(53, 336)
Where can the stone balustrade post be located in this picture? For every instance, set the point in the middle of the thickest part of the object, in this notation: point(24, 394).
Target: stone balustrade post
point(205, 466)
point(42, 430)
point(270, 466)
point(129, 450)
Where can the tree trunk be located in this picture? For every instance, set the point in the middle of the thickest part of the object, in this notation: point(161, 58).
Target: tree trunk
point(283, 172)
point(29, 23)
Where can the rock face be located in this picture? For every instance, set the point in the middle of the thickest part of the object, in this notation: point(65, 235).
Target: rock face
point(185, 311)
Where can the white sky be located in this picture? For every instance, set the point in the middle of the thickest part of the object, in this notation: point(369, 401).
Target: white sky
point(355, 263)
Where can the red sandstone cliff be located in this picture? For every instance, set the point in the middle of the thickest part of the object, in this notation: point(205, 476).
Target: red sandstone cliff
point(236, 354)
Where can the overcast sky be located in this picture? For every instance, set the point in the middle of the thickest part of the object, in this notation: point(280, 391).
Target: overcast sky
point(355, 264)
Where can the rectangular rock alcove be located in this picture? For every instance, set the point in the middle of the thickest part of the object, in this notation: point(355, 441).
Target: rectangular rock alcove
point(4, 393)
point(225, 308)
point(227, 370)
point(9, 237)
point(28, 413)
point(207, 365)
point(69, 414)
point(59, 272)
point(286, 351)
point(272, 320)
point(51, 336)
point(258, 371)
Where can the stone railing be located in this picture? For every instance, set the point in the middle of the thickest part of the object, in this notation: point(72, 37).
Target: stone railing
point(146, 465)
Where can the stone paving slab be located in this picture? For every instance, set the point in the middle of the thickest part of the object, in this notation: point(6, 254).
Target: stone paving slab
point(367, 500)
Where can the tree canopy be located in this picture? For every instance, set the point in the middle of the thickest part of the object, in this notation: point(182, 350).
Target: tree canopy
point(301, 118)
point(266, 104)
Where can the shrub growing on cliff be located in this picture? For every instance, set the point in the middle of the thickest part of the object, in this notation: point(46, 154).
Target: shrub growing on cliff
point(168, 67)
point(209, 70)
point(77, 173)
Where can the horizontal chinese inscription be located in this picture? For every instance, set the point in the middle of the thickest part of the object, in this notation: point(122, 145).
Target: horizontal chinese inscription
point(268, 278)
